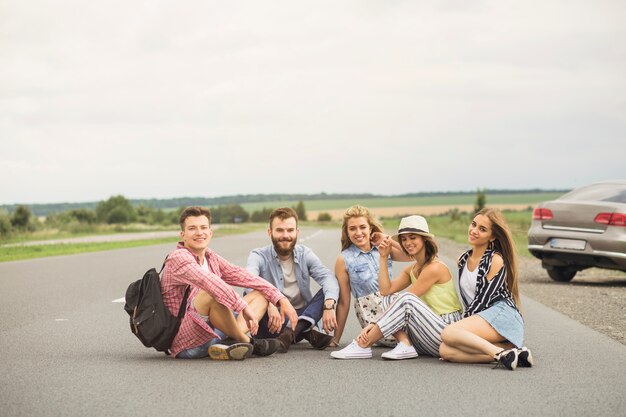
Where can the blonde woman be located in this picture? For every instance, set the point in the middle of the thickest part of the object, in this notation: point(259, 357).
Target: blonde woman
point(357, 269)
point(429, 304)
point(492, 328)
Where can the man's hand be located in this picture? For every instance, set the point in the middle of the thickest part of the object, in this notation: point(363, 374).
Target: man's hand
point(329, 320)
point(251, 320)
point(286, 309)
point(275, 319)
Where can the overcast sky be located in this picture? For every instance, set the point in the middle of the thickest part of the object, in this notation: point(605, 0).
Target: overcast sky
point(159, 99)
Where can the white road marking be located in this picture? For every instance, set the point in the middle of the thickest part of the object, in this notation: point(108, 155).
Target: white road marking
point(119, 300)
point(60, 319)
point(304, 239)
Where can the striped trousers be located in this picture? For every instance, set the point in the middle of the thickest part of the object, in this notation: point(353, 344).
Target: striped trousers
point(407, 312)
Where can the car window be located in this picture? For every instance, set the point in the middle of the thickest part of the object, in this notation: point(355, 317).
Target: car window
point(615, 193)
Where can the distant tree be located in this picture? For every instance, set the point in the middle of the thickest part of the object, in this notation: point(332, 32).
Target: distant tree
point(300, 210)
point(119, 204)
point(150, 215)
point(455, 214)
point(173, 216)
point(481, 200)
point(324, 217)
point(83, 215)
point(5, 224)
point(261, 216)
point(21, 218)
point(231, 213)
point(159, 217)
point(119, 215)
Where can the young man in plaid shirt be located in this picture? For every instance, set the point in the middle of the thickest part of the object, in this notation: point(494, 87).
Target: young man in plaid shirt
point(209, 316)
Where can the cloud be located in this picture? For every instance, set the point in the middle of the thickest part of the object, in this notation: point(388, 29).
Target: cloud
point(157, 99)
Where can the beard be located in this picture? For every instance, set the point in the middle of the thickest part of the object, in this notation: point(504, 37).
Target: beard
point(282, 251)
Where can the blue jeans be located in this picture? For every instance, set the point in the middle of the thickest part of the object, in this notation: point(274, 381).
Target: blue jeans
point(312, 313)
point(201, 351)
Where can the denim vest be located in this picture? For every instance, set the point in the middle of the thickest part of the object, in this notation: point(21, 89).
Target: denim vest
point(363, 270)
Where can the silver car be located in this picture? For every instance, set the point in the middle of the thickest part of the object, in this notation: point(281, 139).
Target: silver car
point(582, 229)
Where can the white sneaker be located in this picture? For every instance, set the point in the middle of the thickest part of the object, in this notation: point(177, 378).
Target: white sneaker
point(401, 351)
point(352, 351)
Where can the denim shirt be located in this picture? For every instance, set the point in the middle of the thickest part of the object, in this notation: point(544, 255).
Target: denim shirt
point(264, 262)
point(363, 268)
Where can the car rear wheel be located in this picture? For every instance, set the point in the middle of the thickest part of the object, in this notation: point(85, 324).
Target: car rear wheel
point(561, 274)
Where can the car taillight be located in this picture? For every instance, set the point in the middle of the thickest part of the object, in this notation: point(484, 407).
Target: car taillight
point(611, 219)
point(542, 214)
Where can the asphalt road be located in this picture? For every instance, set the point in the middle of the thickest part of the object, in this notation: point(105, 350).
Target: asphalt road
point(67, 351)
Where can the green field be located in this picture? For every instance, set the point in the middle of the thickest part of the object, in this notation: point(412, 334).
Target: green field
point(319, 205)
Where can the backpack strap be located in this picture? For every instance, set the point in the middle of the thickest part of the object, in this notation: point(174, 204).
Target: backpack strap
point(183, 304)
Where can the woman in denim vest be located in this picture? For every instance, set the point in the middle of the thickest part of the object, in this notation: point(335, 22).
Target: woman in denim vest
point(357, 270)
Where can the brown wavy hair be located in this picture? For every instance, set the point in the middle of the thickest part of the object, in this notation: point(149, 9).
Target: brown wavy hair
point(283, 213)
point(193, 211)
point(504, 245)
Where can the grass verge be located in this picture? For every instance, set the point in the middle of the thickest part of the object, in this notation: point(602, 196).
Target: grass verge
point(15, 253)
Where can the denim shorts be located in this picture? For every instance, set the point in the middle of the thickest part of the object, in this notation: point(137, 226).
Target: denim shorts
point(197, 352)
point(506, 320)
point(201, 351)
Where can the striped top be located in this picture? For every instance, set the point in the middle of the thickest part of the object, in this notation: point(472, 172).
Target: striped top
point(487, 292)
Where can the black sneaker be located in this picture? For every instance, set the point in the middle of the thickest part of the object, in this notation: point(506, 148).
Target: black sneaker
point(507, 358)
point(524, 357)
point(264, 347)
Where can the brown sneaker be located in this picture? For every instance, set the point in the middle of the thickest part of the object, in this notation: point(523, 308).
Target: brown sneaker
point(264, 347)
point(286, 339)
point(318, 339)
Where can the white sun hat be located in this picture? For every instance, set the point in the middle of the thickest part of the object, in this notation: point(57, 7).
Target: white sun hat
point(412, 224)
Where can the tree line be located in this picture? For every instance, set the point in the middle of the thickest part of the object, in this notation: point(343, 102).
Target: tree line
point(118, 210)
point(172, 203)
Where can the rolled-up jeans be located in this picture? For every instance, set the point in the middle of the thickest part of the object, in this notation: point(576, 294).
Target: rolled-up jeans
point(312, 312)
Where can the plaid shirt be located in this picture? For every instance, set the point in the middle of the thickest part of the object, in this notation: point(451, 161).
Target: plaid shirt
point(182, 269)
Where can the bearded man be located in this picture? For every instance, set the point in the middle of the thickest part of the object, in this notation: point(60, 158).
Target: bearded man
point(289, 267)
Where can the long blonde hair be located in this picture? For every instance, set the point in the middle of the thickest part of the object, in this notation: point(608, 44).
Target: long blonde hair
point(351, 213)
point(504, 245)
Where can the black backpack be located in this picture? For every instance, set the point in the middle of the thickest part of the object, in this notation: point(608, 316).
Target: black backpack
point(150, 320)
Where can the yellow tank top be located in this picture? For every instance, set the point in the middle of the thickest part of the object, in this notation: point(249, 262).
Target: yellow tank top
point(441, 298)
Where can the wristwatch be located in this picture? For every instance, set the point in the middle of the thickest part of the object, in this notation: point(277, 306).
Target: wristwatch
point(329, 304)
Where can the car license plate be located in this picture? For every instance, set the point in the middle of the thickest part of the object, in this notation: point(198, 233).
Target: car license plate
point(567, 244)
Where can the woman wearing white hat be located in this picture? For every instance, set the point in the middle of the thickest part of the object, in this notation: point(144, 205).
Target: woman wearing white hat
point(429, 304)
